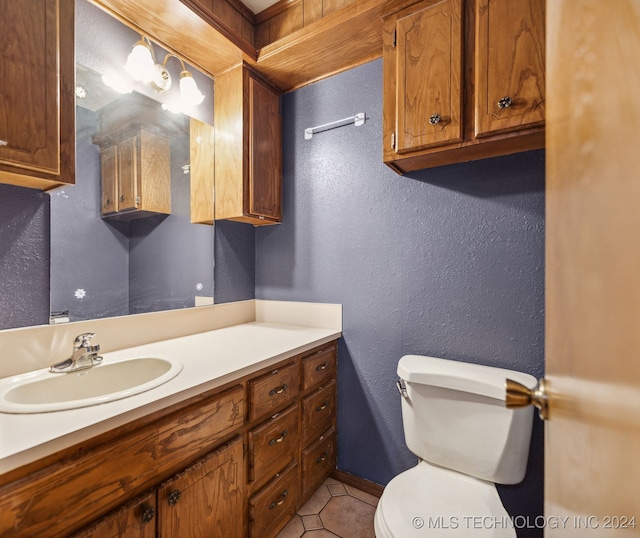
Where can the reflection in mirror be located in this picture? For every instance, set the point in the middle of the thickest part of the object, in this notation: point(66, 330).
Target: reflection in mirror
point(122, 241)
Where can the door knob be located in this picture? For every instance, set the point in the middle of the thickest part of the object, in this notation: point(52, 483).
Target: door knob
point(520, 396)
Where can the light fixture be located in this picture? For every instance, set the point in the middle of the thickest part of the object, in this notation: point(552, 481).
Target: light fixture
point(141, 65)
point(141, 61)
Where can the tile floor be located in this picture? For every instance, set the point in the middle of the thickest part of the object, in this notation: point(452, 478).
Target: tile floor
point(335, 510)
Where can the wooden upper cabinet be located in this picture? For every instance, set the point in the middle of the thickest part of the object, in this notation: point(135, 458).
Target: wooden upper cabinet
point(428, 94)
point(510, 52)
point(248, 148)
point(37, 115)
point(462, 80)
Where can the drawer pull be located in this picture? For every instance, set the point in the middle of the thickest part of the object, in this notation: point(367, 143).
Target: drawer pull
point(148, 515)
point(278, 390)
point(278, 439)
point(322, 366)
point(280, 500)
point(323, 406)
point(322, 457)
point(174, 497)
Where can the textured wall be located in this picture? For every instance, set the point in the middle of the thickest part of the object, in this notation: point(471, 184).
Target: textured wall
point(235, 259)
point(24, 257)
point(448, 262)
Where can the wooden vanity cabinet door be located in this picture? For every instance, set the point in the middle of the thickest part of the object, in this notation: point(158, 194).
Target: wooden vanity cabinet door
point(136, 519)
point(273, 506)
point(318, 460)
point(37, 104)
point(272, 445)
point(127, 173)
point(510, 65)
point(318, 412)
point(206, 500)
point(272, 391)
point(428, 91)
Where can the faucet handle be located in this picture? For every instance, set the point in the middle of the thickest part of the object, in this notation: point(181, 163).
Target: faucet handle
point(83, 340)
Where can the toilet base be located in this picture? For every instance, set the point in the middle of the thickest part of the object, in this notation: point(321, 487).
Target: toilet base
point(429, 501)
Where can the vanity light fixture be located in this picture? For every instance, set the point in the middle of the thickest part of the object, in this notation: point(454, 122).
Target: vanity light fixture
point(141, 65)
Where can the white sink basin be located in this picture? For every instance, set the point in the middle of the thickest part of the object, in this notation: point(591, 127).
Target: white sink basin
point(43, 391)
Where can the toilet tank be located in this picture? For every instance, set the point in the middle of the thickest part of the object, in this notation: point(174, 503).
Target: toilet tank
point(454, 416)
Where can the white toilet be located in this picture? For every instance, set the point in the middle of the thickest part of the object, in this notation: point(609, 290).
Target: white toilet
point(456, 422)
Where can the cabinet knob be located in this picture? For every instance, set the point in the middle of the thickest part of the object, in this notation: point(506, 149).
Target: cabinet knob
point(174, 497)
point(279, 500)
point(505, 102)
point(122, 198)
point(108, 202)
point(4, 143)
point(435, 119)
point(148, 514)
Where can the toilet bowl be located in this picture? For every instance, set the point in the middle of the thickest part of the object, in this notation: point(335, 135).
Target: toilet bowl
point(466, 440)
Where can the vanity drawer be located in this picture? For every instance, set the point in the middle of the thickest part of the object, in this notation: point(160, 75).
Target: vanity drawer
point(273, 390)
point(273, 444)
point(271, 508)
point(319, 366)
point(318, 412)
point(318, 460)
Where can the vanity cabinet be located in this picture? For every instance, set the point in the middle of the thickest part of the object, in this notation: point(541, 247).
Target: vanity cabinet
point(235, 461)
point(136, 174)
point(291, 443)
point(37, 123)
point(248, 148)
point(463, 80)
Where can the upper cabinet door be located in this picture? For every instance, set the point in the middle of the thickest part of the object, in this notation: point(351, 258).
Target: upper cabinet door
point(428, 45)
point(265, 151)
point(37, 115)
point(510, 53)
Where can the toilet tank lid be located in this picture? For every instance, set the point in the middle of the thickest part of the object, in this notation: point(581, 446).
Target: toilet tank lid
point(463, 376)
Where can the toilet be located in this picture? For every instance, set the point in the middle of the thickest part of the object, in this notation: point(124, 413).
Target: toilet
point(466, 440)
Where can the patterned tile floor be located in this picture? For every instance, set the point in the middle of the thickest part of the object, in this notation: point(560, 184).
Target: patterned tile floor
point(335, 510)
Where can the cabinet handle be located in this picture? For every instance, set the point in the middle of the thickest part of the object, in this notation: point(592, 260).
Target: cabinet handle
point(148, 515)
point(322, 457)
point(322, 366)
point(122, 198)
point(505, 102)
point(173, 497)
point(323, 406)
point(279, 500)
point(109, 202)
point(4, 143)
point(278, 439)
point(278, 390)
point(435, 119)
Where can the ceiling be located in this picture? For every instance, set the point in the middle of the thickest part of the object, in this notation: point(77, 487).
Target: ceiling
point(258, 5)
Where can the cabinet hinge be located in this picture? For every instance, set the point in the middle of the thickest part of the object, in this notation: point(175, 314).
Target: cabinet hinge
point(393, 140)
point(395, 35)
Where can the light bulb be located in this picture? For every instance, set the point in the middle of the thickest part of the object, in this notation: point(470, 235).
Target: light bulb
point(140, 64)
point(189, 93)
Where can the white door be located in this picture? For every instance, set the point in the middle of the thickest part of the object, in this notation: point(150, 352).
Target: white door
point(592, 437)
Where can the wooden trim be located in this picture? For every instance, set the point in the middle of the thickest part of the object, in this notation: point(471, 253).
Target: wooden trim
point(357, 482)
point(243, 10)
point(274, 10)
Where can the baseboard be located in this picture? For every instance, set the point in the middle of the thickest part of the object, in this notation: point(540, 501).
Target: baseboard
point(359, 483)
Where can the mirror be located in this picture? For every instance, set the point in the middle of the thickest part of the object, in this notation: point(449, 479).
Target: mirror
point(114, 261)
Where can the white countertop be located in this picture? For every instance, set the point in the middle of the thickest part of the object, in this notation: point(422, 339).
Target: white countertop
point(210, 359)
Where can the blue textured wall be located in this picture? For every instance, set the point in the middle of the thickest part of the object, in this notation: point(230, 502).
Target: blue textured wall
point(448, 262)
point(24, 257)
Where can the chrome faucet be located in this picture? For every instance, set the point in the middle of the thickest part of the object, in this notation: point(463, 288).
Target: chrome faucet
point(84, 356)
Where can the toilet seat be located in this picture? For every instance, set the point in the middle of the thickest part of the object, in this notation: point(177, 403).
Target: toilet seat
point(430, 501)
